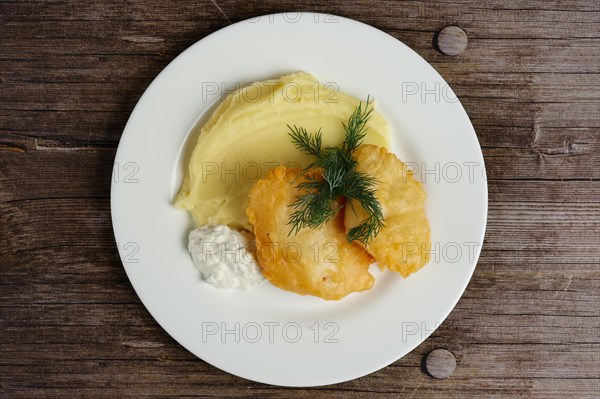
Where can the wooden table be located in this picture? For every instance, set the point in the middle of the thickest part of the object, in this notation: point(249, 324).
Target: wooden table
point(70, 323)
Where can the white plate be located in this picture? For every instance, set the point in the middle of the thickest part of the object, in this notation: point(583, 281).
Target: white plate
point(267, 334)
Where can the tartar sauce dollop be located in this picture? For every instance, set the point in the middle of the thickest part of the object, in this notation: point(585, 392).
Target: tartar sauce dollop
point(223, 257)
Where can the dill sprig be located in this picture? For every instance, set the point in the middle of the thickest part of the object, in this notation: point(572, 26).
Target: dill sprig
point(333, 175)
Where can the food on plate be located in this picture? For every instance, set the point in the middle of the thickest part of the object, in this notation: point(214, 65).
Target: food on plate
point(247, 136)
point(315, 261)
point(302, 172)
point(225, 257)
point(404, 243)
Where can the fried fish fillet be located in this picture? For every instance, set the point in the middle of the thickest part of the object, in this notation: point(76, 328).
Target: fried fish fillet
point(318, 262)
point(404, 244)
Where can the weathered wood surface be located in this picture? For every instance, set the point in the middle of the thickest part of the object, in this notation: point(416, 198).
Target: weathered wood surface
point(71, 325)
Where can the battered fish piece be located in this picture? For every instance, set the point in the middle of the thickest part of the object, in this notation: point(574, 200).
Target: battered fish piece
point(318, 262)
point(403, 245)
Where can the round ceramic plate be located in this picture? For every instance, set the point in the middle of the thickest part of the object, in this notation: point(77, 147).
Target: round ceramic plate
point(267, 334)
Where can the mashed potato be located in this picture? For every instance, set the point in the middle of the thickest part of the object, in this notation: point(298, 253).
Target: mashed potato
point(247, 136)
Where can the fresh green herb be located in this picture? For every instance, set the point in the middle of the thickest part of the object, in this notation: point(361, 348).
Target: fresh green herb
point(333, 175)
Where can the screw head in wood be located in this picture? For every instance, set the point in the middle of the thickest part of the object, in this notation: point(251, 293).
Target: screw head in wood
point(452, 40)
point(440, 363)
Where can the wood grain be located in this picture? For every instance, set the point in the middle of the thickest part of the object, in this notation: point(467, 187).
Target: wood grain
point(71, 325)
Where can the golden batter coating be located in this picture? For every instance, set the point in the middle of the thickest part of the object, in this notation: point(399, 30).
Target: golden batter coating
point(403, 245)
point(318, 262)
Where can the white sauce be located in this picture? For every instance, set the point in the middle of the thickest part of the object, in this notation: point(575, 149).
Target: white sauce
point(220, 253)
